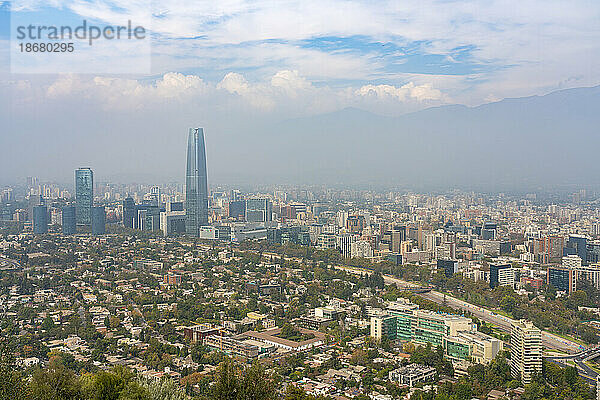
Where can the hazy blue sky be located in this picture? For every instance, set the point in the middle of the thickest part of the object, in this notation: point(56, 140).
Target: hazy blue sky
point(238, 67)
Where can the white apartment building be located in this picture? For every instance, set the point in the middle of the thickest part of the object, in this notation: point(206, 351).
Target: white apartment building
point(571, 261)
point(344, 243)
point(525, 350)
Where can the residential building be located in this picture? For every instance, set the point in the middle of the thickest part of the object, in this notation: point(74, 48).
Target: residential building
point(412, 374)
point(525, 351)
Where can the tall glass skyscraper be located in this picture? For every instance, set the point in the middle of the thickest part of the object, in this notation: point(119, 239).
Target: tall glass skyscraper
point(84, 195)
point(196, 186)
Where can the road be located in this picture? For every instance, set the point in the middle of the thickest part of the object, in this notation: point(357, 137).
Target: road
point(579, 360)
point(549, 340)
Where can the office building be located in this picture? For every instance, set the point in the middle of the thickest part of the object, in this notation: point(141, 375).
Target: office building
point(40, 218)
point(472, 345)
point(450, 267)
point(576, 245)
point(344, 242)
point(291, 234)
point(593, 249)
point(393, 239)
point(456, 334)
point(562, 279)
point(154, 196)
point(151, 221)
point(237, 210)
point(98, 220)
point(590, 273)
point(129, 213)
point(525, 351)
point(361, 249)
point(172, 222)
point(196, 184)
point(488, 231)
point(84, 195)
point(566, 277)
point(501, 275)
point(355, 223)
point(69, 221)
point(258, 210)
point(326, 241)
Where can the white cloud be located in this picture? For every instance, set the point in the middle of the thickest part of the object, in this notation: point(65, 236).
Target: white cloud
point(290, 82)
point(127, 93)
point(234, 83)
point(286, 92)
point(406, 92)
point(526, 48)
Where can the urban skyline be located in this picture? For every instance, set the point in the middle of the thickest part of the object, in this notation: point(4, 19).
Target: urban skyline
point(299, 200)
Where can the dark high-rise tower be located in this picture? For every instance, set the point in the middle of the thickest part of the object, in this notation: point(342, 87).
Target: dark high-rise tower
point(98, 220)
point(69, 224)
point(129, 213)
point(84, 195)
point(196, 186)
point(40, 218)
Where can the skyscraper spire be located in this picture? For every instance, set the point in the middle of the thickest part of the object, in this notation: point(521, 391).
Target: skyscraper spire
point(196, 186)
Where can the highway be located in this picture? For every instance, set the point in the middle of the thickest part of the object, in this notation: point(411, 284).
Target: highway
point(549, 340)
point(579, 361)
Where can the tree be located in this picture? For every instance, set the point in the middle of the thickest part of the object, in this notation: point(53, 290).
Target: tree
point(251, 383)
point(106, 386)
point(55, 383)
point(256, 384)
point(134, 391)
point(226, 385)
point(162, 389)
point(12, 384)
point(198, 351)
point(48, 324)
point(293, 392)
point(570, 375)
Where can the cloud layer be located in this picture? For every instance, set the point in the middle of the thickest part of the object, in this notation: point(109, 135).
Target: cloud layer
point(470, 50)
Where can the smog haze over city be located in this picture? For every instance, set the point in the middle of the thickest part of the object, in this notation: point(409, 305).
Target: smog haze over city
point(299, 200)
point(441, 94)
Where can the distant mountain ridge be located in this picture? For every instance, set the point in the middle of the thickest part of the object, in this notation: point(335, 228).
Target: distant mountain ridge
point(512, 143)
